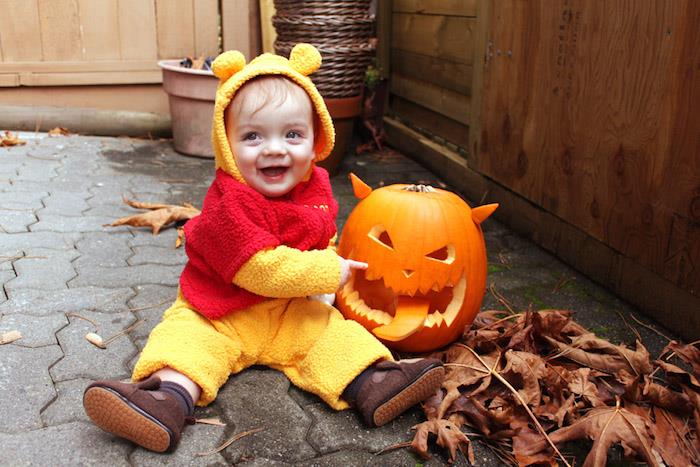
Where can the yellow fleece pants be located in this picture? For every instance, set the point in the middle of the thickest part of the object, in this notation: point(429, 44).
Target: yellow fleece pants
point(310, 342)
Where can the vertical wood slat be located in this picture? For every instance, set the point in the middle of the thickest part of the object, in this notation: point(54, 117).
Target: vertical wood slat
point(138, 39)
point(60, 30)
point(19, 30)
point(175, 28)
point(586, 112)
point(206, 27)
point(99, 29)
point(241, 26)
point(267, 30)
point(384, 22)
point(480, 36)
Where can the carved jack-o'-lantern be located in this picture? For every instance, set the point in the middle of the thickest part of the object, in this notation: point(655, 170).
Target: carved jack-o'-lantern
point(427, 264)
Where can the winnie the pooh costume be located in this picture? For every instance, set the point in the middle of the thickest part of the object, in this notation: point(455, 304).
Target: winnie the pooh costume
point(252, 262)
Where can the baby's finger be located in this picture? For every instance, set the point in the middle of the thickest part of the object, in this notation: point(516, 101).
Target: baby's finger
point(357, 264)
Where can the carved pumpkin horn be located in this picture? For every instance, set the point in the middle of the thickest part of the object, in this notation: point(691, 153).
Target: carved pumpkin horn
point(360, 188)
point(481, 213)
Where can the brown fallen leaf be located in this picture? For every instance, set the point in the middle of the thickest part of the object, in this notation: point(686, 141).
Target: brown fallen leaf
point(160, 215)
point(11, 140)
point(689, 353)
point(530, 368)
point(671, 439)
point(594, 352)
point(180, 237)
point(449, 436)
point(582, 386)
point(9, 337)
point(666, 398)
point(59, 131)
point(606, 426)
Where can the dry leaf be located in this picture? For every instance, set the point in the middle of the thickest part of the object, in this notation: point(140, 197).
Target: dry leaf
point(582, 386)
point(198, 63)
point(448, 434)
point(679, 375)
point(671, 439)
point(159, 215)
point(689, 353)
point(9, 337)
point(666, 398)
point(530, 368)
point(593, 352)
point(95, 339)
point(606, 426)
point(59, 131)
point(11, 140)
point(180, 237)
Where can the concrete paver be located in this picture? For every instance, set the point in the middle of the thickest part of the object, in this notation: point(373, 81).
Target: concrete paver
point(63, 274)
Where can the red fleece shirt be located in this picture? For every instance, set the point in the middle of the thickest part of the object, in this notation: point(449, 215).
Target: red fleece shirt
point(236, 222)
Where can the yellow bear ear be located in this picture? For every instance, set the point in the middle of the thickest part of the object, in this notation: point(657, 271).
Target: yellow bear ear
point(305, 59)
point(227, 64)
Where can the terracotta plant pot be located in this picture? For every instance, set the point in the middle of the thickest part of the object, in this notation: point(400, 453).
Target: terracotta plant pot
point(191, 96)
point(344, 111)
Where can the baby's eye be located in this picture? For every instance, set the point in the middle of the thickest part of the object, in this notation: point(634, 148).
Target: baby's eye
point(252, 136)
point(293, 134)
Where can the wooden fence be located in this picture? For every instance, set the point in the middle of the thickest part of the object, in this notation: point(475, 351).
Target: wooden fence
point(49, 43)
point(579, 117)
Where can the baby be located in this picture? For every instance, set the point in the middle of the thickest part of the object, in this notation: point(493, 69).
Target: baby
point(260, 248)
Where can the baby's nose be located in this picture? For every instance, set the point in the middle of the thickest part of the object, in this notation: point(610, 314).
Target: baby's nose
point(274, 147)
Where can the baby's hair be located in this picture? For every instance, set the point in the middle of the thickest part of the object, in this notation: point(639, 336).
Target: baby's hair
point(267, 90)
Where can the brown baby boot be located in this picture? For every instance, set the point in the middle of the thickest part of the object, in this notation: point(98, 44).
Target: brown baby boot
point(149, 413)
point(387, 389)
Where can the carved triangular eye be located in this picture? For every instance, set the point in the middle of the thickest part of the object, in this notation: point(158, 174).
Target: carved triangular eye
point(446, 254)
point(379, 234)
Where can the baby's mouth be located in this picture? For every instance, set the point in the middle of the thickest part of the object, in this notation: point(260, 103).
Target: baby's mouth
point(273, 172)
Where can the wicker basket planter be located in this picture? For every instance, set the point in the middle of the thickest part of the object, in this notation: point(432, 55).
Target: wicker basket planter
point(342, 32)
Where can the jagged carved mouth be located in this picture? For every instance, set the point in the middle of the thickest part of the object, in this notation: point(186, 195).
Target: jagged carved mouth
point(401, 315)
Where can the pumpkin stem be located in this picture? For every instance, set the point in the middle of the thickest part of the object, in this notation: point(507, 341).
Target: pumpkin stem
point(420, 188)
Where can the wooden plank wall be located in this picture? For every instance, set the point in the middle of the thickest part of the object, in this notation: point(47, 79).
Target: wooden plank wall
point(432, 65)
point(81, 42)
point(589, 110)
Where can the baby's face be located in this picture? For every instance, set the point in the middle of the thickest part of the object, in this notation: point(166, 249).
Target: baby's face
point(273, 145)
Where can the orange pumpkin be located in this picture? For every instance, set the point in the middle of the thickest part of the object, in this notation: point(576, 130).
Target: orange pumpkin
point(427, 264)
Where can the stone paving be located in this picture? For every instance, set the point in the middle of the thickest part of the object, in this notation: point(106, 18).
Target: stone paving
point(64, 274)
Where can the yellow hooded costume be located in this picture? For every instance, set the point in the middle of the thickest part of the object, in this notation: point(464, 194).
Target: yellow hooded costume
point(309, 341)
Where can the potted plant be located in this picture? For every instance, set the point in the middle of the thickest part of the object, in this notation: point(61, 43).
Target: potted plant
point(191, 92)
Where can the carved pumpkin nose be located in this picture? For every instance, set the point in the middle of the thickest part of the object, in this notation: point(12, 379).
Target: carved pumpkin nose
point(408, 272)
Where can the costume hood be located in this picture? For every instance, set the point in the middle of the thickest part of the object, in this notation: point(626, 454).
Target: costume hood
point(233, 72)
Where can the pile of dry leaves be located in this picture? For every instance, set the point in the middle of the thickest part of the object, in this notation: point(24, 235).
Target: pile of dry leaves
point(515, 377)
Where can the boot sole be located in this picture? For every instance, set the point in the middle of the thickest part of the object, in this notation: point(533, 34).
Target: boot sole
point(114, 414)
point(419, 390)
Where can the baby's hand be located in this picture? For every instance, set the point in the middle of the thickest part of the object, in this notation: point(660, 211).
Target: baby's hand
point(346, 267)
